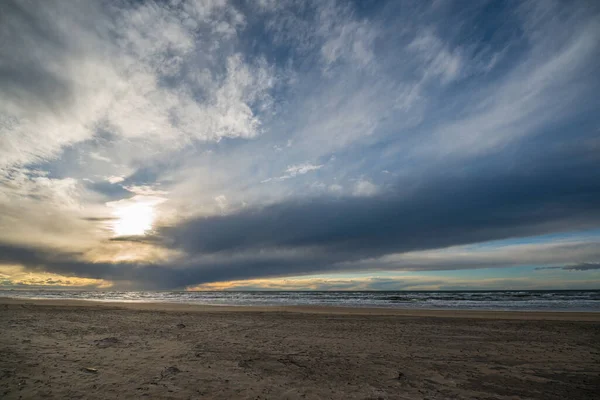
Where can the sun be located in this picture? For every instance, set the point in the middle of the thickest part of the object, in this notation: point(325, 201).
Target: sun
point(134, 216)
point(133, 219)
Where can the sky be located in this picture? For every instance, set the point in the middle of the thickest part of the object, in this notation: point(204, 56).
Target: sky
point(300, 145)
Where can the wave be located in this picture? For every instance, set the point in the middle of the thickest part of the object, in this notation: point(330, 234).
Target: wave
point(483, 300)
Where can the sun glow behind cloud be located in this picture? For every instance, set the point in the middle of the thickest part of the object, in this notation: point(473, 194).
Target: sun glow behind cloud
point(133, 220)
point(134, 216)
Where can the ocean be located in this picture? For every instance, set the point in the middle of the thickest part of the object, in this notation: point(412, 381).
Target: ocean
point(531, 300)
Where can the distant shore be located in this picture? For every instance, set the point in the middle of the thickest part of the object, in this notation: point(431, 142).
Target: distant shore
point(60, 349)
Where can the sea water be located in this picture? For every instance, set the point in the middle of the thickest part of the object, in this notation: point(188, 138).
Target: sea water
point(537, 300)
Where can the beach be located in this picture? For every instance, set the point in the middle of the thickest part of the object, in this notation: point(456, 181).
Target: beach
point(59, 349)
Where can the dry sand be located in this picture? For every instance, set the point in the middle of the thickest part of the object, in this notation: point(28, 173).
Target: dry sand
point(163, 351)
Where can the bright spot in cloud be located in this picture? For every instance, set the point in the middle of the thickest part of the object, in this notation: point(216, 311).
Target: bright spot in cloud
point(134, 216)
point(115, 179)
point(133, 220)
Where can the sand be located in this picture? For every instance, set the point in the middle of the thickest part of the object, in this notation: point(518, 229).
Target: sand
point(85, 350)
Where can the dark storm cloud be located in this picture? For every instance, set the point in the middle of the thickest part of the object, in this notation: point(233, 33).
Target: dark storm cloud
point(576, 267)
point(442, 212)
point(334, 234)
point(582, 267)
point(50, 260)
point(176, 274)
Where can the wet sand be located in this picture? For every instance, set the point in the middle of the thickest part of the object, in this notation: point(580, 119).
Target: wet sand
point(86, 350)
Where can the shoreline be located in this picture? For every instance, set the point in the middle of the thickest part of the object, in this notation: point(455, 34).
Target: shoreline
point(591, 316)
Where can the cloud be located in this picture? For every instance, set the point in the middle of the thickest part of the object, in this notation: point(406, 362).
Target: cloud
point(519, 105)
point(586, 266)
point(115, 179)
point(295, 170)
point(582, 267)
point(485, 124)
point(493, 255)
point(396, 283)
point(322, 284)
point(128, 69)
point(439, 61)
point(444, 211)
point(13, 277)
point(364, 188)
point(221, 201)
point(145, 190)
point(41, 209)
point(363, 233)
point(302, 169)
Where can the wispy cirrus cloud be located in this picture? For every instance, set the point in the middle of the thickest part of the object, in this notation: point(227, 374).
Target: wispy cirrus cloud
point(295, 170)
point(126, 70)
